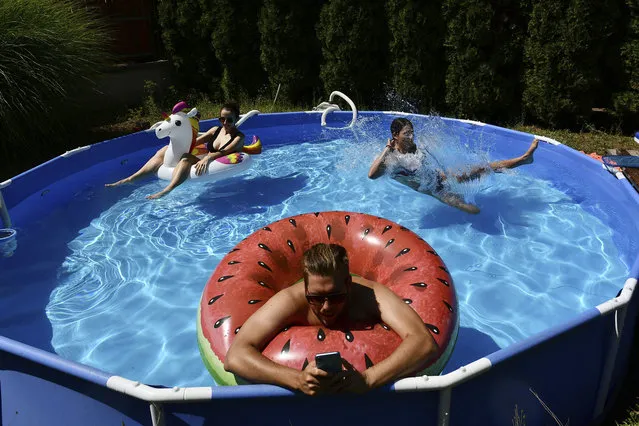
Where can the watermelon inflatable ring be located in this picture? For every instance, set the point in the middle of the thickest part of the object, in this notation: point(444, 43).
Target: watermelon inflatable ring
point(270, 259)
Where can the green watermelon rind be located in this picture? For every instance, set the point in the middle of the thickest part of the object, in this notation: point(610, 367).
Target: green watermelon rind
point(211, 361)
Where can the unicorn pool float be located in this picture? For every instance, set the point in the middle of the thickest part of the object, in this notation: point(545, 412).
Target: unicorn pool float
point(183, 140)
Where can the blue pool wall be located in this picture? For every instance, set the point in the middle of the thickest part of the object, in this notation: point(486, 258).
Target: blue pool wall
point(563, 365)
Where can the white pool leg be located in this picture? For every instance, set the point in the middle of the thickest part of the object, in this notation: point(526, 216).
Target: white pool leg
point(4, 213)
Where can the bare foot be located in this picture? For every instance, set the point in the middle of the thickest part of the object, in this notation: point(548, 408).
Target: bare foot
point(528, 158)
point(156, 195)
point(120, 182)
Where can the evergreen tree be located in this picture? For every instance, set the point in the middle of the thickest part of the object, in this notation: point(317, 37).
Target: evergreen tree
point(290, 50)
point(187, 44)
point(485, 48)
point(235, 40)
point(416, 51)
point(354, 43)
point(565, 57)
point(626, 101)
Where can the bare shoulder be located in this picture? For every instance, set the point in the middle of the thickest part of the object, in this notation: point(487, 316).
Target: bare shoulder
point(289, 301)
point(382, 293)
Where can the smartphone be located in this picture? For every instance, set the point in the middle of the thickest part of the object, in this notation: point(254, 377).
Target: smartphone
point(331, 362)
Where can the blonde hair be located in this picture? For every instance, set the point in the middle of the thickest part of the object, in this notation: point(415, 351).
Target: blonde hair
point(325, 260)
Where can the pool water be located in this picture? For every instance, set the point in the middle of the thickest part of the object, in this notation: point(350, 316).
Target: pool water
point(125, 296)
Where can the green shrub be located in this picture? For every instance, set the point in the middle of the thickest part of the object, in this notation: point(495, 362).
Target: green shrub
point(235, 39)
point(187, 42)
point(354, 42)
point(565, 53)
point(416, 52)
point(485, 48)
point(290, 50)
point(49, 51)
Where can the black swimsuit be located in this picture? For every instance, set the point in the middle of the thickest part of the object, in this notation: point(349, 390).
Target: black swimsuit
point(209, 144)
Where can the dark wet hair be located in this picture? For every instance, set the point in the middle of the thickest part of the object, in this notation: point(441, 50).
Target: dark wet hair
point(232, 106)
point(398, 124)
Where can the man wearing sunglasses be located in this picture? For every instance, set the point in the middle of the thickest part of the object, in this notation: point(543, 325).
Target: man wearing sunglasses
point(329, 296)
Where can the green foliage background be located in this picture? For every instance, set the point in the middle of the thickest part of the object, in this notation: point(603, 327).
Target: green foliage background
point(49, 53)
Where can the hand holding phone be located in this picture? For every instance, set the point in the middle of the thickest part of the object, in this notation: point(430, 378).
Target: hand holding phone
point(331, 362)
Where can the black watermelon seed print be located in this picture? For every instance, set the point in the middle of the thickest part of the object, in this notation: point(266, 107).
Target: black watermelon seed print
point(224, 278)
point(368, 361)
point(420, 285)
point(444, 282)
point(431, 252)
point(391, 241)
point(254, 301)
point(386, 228)
point(432, 328)
point(450, 308)
point(366, 231)
point(286, 347)
point(266, 228)
point(237, 329)
point(407, 301)
point(292, 222)
point(289, 243)
point(412, 268)
point(214, 299)
point(328, 231)
point(443, 269)
point(234, 262)
point(349, 336)
point(263, 284)
point(264, 247)
point(385, 327)
point(220, 321)
point(403, 228)
point(347, 218)
point(285, 329)
point(235, 249)
point(305, 364)
point(316, 214)
point(264, 265)
point(321, 335)
point(403, 252)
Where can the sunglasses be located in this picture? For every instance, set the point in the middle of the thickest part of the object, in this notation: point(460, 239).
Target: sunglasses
point(229, 120)
point(335, 298)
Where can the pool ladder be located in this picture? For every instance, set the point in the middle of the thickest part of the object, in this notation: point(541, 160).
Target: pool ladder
point(328, 107)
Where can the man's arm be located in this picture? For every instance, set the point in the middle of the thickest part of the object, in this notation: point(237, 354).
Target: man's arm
point(417, 344)
point(245, 358)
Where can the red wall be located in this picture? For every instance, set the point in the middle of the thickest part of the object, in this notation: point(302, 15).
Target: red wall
point(133, 26)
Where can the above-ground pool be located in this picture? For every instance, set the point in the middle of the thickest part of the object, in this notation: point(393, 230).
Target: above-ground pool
point(104, 278)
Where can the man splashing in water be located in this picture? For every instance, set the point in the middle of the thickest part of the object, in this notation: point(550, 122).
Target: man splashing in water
point(401, 149)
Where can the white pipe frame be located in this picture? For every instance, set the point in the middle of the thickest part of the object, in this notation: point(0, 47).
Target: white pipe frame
point(4, 210)
point(246, 116)
point(331, 109)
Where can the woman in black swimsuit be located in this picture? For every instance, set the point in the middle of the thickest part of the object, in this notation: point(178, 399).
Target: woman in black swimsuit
point(220, 141)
